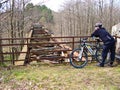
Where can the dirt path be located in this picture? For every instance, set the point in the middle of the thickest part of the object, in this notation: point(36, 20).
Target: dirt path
point(23, 55)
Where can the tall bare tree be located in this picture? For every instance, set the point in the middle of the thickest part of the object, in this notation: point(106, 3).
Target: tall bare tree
point(1, 49)
point(81, 15)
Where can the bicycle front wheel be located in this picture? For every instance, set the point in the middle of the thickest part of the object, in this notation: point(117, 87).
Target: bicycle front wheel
point(76, 60)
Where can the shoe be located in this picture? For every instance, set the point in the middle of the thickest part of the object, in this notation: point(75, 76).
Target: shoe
point(111, 65)
point(99, 65)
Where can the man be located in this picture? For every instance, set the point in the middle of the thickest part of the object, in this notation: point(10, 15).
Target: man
point(109, 43)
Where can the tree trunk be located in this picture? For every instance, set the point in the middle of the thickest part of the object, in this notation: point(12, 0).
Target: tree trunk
point(1, 51)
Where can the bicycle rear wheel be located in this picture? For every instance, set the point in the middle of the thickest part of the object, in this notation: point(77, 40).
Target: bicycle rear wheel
point(77, 62)
point(98, 56)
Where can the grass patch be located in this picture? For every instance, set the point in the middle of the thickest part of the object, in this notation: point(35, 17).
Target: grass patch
point(62, 77)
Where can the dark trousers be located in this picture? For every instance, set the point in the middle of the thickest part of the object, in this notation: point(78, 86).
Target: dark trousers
point(106, 48)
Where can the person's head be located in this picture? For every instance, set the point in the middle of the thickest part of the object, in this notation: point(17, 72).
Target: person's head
point(98, 26)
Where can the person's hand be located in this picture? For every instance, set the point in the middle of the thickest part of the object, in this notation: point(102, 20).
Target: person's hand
point(98, 40)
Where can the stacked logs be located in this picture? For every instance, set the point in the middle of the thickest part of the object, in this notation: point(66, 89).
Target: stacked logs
point(46, 51)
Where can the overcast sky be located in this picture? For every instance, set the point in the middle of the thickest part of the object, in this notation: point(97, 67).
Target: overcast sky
point(52, 4)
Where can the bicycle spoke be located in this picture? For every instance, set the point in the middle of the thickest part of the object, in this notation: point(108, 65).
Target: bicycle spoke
point(76, 60)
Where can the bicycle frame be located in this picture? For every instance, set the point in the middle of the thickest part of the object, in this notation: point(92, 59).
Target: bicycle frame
point(87, 46)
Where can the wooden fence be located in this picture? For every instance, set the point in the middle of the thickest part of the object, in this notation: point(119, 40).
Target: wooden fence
point(12, 51)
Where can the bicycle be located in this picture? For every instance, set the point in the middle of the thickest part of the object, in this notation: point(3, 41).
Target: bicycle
point(79, 56)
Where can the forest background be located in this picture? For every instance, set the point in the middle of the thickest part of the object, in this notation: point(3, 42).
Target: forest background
point(76, 18)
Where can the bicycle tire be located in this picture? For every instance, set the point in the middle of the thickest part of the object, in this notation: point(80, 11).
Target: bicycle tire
point(98, 56)
point(78, 63)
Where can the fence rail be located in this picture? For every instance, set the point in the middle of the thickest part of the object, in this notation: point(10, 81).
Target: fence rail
point(11, 51)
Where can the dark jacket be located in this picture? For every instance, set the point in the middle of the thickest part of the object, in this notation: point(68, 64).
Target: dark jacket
point(103, 35)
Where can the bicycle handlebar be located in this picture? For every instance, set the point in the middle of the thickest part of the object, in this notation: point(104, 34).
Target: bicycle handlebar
point(85, 39)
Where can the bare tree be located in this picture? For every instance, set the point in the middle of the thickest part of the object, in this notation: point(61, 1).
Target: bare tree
point(1, 51)
point(111, 14)
point(81, 15)
point(1, 48)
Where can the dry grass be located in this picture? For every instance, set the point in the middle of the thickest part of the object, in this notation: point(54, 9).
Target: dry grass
point(61, 77)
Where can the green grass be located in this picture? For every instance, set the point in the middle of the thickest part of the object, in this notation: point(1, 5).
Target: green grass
point(61, 77)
